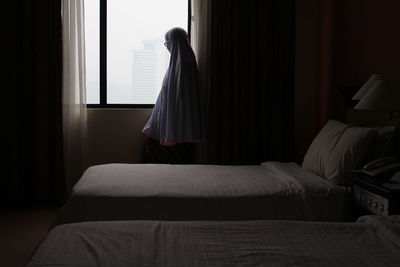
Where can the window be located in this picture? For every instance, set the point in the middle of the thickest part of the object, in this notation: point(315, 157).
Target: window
point(126, 59)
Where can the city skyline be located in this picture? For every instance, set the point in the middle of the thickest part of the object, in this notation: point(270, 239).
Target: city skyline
point(149, 67)
point(129, 24)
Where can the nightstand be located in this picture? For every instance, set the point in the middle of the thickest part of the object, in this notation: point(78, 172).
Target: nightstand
point(372, 196)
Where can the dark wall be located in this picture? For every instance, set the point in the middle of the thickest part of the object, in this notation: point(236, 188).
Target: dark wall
point(367, 39)
point(339, 43)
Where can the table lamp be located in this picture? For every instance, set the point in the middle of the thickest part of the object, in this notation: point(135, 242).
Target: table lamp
point(379, 94)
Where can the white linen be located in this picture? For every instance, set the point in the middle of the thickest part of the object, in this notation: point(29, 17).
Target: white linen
point(227, 243)
point(144, 180)
point(272, 190)
point(387, 227)
point(338, 148)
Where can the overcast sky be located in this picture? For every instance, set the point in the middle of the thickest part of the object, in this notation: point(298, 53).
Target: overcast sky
point(129, 22)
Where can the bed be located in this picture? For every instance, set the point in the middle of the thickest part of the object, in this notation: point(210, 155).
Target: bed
point(371, 241)
point(271, 190)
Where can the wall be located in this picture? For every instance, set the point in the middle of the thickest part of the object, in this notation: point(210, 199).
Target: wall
point(367, 40)
point(115, 135)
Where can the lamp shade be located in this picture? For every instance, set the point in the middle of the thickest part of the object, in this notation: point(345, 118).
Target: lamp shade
point(383, 95)
point(364, 89)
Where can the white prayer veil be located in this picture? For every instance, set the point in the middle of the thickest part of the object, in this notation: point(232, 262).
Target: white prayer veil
point(176, 117)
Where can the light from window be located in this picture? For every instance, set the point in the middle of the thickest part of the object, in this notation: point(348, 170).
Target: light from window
point(136, 56)
point(92, 43)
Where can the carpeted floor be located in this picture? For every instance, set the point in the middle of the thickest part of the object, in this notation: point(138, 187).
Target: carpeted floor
point(20, 232)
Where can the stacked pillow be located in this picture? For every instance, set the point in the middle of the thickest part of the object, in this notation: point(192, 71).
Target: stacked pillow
point(340, 148)
point(386, 142)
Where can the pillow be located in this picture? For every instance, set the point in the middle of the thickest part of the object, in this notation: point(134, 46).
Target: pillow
point(385, 142)
point(338, 148)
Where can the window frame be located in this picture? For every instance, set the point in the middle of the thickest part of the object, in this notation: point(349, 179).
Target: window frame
point(103, 62)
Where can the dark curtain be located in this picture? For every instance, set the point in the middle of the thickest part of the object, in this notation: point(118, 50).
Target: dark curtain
point(33, 136)
point(252, 81)
point(326, 94)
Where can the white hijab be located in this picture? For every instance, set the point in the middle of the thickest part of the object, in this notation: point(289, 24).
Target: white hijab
point(176, 117)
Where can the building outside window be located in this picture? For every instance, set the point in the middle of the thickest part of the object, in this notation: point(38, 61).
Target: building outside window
point(126, 59)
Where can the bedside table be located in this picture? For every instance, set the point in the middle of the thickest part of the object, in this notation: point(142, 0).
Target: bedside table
point(374, 195)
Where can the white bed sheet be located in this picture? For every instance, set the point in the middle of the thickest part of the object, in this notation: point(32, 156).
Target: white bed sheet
point(373, 241)
point(272, 190)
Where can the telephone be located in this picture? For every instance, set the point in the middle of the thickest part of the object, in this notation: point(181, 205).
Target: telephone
point(382, 167)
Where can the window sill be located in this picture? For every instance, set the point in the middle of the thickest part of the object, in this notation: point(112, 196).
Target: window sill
point(120, 106)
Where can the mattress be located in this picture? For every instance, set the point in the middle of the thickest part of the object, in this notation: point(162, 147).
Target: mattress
point(372, 241)
point(272, 190)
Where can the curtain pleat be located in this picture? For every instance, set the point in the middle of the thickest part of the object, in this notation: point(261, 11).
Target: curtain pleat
point(33, 136)
point(251, 81)
point(74, 91)
point(200, 41)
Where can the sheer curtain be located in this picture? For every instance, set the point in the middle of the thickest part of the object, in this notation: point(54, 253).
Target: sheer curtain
point(200, 37)
point(74, 90)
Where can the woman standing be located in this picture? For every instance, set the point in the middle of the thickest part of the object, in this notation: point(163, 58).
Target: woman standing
point(176, 120)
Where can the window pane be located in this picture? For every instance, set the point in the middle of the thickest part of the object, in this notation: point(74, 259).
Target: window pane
point(136, 56)
point(92, 43)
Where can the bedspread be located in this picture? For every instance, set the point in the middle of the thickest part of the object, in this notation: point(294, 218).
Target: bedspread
point(223, 243)
point(271, 190)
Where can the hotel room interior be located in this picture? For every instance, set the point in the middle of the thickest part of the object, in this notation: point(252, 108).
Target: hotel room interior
point(298, 94)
